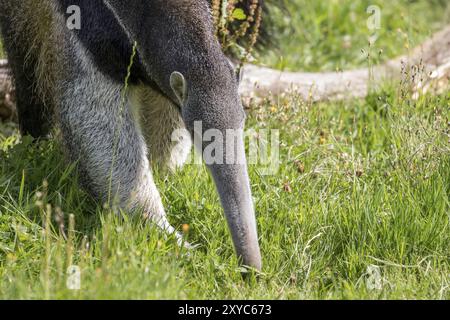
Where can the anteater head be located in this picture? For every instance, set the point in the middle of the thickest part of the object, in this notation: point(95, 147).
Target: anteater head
point(176, 43)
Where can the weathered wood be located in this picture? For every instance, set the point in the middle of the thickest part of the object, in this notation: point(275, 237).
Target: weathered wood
point(430, 62)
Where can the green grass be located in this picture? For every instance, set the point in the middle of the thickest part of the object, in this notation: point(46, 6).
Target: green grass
point(361, 183)
point(330, 35)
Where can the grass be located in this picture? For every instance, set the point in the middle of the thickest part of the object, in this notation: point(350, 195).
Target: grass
point(363, 185)
point(334, 35)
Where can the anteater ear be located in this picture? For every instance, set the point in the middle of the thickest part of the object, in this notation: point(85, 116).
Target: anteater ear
point(179, 86)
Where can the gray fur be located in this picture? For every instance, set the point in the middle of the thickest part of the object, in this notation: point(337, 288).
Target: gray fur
point(179, 76)
point(158, 118)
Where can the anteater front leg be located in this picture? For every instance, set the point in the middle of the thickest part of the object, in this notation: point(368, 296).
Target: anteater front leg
point(101, 134)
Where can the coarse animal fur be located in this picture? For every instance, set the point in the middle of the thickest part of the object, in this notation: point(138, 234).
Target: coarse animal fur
point(118, 88)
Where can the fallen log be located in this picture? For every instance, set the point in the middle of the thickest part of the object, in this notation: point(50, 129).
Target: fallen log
point(429, 63)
